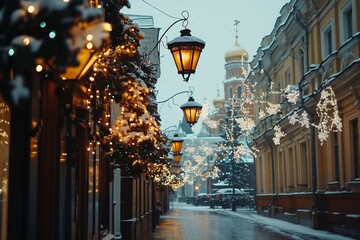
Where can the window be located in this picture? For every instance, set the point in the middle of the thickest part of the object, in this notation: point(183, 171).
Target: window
point(355, 147)
point(303, 166)
point(290, 170)
point(239, 90)
point(287, 77)
point(281, 174)
point(327, 40)
point(346, 21)
point(230, 92)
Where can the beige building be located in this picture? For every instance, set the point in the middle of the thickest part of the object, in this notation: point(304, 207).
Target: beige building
point(314, 44)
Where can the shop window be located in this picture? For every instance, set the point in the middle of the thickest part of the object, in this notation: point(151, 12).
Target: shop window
point(4, 165)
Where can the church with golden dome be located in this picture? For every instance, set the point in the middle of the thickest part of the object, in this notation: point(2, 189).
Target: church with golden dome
point(236, 71)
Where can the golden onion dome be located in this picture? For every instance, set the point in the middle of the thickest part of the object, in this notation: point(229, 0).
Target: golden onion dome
point(236, 53)
point(218, 101)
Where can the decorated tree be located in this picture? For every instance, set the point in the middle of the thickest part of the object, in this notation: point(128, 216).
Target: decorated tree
point(198, 161)
point(233, 152)
point(36, 35)
point(134, 142)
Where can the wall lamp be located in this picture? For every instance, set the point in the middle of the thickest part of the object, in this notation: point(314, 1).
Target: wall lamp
point(177, 157)
point(176, 144)
point(185, 49)
point(191, 109)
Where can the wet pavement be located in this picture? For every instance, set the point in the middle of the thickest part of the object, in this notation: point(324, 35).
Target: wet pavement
point(186, 222)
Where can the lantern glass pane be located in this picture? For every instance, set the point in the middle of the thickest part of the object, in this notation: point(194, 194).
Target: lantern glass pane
point(196, 53)
point(192, 114)
point(176, 55)
point(186, 58)
point(176, 146)
point(177, 158)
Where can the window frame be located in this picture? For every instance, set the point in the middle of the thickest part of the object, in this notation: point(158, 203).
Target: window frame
point(329, 27)
point(344, 31)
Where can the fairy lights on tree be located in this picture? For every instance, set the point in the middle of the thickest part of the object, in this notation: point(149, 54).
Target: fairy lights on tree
point(35, 35)
point(134, 142)
point(198, 161)
point(270, 103)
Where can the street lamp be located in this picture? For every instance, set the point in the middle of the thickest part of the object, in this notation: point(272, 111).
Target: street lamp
point(176, 144)
point(192, 111)
point(177, 157)
point(186, 51)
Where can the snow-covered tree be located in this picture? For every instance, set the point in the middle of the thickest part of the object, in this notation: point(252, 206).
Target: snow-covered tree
point(134, 143)
point(37, 34)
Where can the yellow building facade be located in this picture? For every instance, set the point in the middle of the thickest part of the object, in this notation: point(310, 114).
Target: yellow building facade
point(314, 44)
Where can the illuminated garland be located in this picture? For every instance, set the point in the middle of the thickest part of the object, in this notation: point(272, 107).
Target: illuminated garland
point(35, 35)
point(134, 143)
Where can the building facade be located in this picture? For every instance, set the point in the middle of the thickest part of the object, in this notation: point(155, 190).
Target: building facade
point(314, 45)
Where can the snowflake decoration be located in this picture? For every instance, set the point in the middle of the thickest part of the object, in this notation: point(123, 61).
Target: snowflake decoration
point(278, 134)
point(327, 110)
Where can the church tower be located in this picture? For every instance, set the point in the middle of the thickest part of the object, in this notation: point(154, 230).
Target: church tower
point(236, 71)
point(236, 68)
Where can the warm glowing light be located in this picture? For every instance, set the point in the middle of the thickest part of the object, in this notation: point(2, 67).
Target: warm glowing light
point(89, 45)
point(31, 9)
point(107, 27)
point(39, 68)
point(89, 37)
point(26, 41)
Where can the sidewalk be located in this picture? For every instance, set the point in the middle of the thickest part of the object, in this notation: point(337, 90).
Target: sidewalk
point(283, 226)
point(168, 230)
point(171, 229)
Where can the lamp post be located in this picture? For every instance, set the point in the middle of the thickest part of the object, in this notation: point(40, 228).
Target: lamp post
point(185, 49)
point(191, 109)
point(177, 158)
point(176, 144)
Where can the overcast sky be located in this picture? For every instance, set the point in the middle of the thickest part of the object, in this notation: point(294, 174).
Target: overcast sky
point(213, 22)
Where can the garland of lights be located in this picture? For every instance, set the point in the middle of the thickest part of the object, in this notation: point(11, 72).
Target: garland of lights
point(35, 35)
point(134, 142)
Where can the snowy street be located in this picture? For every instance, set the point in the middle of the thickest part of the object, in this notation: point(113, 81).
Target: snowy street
point(185, 221)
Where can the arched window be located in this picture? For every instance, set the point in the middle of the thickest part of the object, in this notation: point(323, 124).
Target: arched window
point(230, 92)
point(239, 90)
